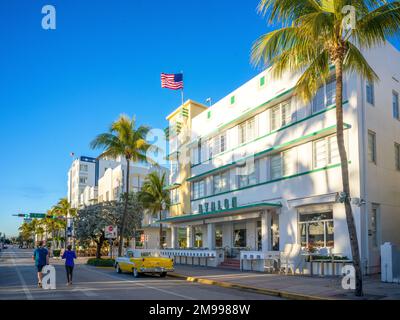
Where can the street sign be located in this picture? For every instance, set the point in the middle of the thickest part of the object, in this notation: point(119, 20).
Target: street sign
point(37, 215)
point(110, 232)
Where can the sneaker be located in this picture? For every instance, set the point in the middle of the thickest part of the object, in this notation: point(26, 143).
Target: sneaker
point(68, 283)
point(39, 285)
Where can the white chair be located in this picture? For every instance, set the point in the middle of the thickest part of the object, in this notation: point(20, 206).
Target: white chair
point(291, 259)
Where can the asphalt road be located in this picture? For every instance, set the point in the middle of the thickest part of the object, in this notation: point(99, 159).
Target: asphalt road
point(18, 282)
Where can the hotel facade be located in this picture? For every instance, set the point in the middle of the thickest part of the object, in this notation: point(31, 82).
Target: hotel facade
point(260, 169)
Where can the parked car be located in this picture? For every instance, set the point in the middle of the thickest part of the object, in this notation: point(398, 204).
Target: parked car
point(133, 262)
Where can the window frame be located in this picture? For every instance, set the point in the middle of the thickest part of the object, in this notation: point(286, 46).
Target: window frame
point(374, 151)
point(395, 112)
point(370, 85)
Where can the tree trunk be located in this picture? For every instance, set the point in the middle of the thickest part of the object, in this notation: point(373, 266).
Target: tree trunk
point(99, 246)
point(161, 231)
point(125, 214)
point(345, 177)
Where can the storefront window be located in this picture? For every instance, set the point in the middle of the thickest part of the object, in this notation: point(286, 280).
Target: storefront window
point(259, 236)
point(316, 229)
point(240, 238)
point(164, 238)
point(138, 239)
point(182, 238)
point(198, 238)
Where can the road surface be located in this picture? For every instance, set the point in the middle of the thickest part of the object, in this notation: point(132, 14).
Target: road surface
point(18, 282)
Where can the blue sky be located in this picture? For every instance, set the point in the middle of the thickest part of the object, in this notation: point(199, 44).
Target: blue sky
point(60, 88)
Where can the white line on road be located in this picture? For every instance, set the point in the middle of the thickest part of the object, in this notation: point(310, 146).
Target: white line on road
point(140, 284)
point(24, 286)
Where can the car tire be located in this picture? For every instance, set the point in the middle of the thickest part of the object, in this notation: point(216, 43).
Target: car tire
point(117, 268)
point(135, 273)
point(163, 274)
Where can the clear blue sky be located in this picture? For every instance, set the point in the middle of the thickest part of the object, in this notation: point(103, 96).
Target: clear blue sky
point(58, 89)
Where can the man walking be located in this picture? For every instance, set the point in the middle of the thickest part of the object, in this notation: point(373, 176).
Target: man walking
point(41, 258)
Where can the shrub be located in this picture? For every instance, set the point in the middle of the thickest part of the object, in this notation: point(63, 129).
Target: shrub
point(101, 262)
point(56, 253)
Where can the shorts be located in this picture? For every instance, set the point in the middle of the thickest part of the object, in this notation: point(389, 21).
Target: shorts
point(40, 267)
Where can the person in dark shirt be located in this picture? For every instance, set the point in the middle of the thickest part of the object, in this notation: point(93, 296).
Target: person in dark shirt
point(41, 258)
point(69, 255)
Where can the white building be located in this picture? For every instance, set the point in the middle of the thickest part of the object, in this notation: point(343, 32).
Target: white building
point(265, 169)
point(85, 172)
point(113, 184)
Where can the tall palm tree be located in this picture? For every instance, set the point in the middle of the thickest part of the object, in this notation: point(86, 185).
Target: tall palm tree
point(127, 141)
point(312, 38)
point(154, 197)
point(63, 210)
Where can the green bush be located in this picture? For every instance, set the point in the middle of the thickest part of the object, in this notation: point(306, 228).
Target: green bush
point(101, 262)
point(56, 253)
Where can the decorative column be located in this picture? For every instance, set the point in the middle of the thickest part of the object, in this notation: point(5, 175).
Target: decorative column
point(266, 231)
point(211, 236)
point(190, 237)
point(174, 237)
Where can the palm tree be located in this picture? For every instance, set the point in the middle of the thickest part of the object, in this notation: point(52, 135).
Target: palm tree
point(154, 197)
point(127, 141)
point(312, 38)
point(63, 210)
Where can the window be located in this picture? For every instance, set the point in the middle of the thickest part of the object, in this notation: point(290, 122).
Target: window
point(284, 164)
point(282, 115)
point(218, 238)
point(198, 189)
point(239, 236)
point(325, 96)
point(84, 167)
point(248, 175)
point(247, 131)
point(83, 180)
point(316, 229)
point(221, 182)
point(371, 146)
point(175, 196)
point(370, 93)
point(209, 115)
point(397, 156)
point(374, 226)
point(326, 152)
point(289, 162)
point(276, 167)
point(233, 100)
point(219, 144)
point(395, 102)
point(198, 237)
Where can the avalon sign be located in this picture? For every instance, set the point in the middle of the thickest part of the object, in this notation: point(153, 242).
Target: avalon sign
point(218, 205)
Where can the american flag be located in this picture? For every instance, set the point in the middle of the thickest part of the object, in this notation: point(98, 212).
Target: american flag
point(172, 81)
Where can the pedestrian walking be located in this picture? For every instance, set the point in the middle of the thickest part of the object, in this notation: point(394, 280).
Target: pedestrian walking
point(41, 258)
point(69, 255)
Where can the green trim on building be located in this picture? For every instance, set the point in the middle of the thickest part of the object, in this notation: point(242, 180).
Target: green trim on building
point(207, 214)
point(271, 181)
point(270, 133)
point(241, 116)
point(281, 146)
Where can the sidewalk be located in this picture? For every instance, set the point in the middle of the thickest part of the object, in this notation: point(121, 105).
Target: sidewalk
point(288, 286)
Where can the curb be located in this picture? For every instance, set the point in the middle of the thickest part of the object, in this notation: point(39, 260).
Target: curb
point(269, 292)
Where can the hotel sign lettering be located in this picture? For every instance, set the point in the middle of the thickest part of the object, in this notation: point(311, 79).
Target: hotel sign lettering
point(218, 205)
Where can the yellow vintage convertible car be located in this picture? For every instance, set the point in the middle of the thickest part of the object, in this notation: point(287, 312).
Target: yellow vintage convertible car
point(136, 263)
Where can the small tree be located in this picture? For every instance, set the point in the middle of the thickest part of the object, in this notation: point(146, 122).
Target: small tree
point(92, 220)
point(154, 197)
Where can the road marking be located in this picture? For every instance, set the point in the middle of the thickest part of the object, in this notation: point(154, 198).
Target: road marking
point(141, 284)
point(87, 292)
point(24, 286)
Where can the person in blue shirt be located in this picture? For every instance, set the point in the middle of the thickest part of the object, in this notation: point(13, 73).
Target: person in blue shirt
point(41, 258)
point(69, 255)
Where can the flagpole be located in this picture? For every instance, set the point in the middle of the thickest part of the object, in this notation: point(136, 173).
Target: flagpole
point(182, 93)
